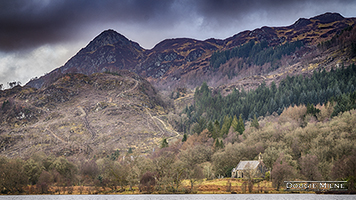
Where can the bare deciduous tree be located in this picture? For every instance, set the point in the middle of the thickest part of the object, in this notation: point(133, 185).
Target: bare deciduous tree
point(250, 173)
point(281, 172)
point(309, 167)
point(147, 182)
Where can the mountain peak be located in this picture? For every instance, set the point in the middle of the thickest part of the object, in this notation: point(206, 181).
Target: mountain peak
point(325, 18)
point(107, 37)
point(301, 22)
point(328, 17)
point(176, 61)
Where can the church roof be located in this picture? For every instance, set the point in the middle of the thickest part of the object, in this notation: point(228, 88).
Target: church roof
point(249, 164)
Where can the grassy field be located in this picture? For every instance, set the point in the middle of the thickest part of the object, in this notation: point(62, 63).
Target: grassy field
point(228, 185)
point(216, 186)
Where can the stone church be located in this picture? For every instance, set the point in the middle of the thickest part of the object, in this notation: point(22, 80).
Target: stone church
point(255, 168)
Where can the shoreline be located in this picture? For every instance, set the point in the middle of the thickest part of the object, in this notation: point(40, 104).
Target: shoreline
point(215, 186)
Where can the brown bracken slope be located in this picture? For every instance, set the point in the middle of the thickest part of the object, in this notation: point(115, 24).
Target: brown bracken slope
point(79, 114)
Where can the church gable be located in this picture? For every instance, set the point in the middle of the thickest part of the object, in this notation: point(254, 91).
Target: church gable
point(256, 167)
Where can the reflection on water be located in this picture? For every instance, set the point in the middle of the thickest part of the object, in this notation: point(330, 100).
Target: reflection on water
point(178, 197)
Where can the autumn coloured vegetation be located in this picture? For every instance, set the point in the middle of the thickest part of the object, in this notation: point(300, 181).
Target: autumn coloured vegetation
point(113, 132)
point(303, 142)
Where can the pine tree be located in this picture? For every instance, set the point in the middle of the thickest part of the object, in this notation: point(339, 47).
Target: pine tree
point(217, 144)
point(312, 110)
point(222, 144)
point(185, 137)
point(241, 125)
point(129, 151)
point(226, 126)
point(164, 143)
point(295, 90)
point(255, 123)
point(202, 124)
point(210, 129)
point(235, 123)
point(216, 131)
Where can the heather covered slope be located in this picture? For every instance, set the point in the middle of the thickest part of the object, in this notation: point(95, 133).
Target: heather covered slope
point(187, 62)
point(79, 114)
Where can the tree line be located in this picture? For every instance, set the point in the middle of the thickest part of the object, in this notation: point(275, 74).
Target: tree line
point(257, 53)
point(346, 40)
point(336, 86)
point(294, 145)
point(311, 138)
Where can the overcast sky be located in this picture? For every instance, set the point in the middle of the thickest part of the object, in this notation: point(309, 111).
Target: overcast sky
point(37, 36)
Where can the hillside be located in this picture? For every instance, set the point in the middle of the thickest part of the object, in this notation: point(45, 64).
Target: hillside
point(80, 114)
point(95, 104)
point(286, 93)
point(186, 62)
point(329, 54)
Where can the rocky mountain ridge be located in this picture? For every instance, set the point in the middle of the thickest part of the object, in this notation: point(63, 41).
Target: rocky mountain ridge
point(174, 62)
point(103, 98)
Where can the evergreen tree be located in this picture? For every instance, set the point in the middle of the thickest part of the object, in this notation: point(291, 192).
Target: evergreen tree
point(344, 103)
point(219, 144)
point(296, 90)
point(241, 125)
point(216, 132)
point(210, 128)
point(222, 144)
point(164, 143)
point(114, 155)
point(185, 137)
point(235, 123)
point(226, 126)
point(312, 110)
point(255, 123)
point(202, 124)
point(129, 151)
point(254, 52)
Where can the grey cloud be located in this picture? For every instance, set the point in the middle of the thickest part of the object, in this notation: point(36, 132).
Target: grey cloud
point(56, 29)
point(29, 24)
point(230, 8)
point(222, 11)
point(33, 23)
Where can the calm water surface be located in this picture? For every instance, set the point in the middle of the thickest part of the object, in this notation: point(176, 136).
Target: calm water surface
point(178, 197)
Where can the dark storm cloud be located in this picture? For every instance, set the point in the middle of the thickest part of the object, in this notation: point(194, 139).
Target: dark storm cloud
point(37, 36)
point(223, 11)
point(31, 23)
point(222, 8)
point(27, 24)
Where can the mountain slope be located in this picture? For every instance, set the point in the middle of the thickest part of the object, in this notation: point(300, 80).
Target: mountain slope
point(184, 61)
point(94, 105)
point(80, 114)
point(109, 51)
